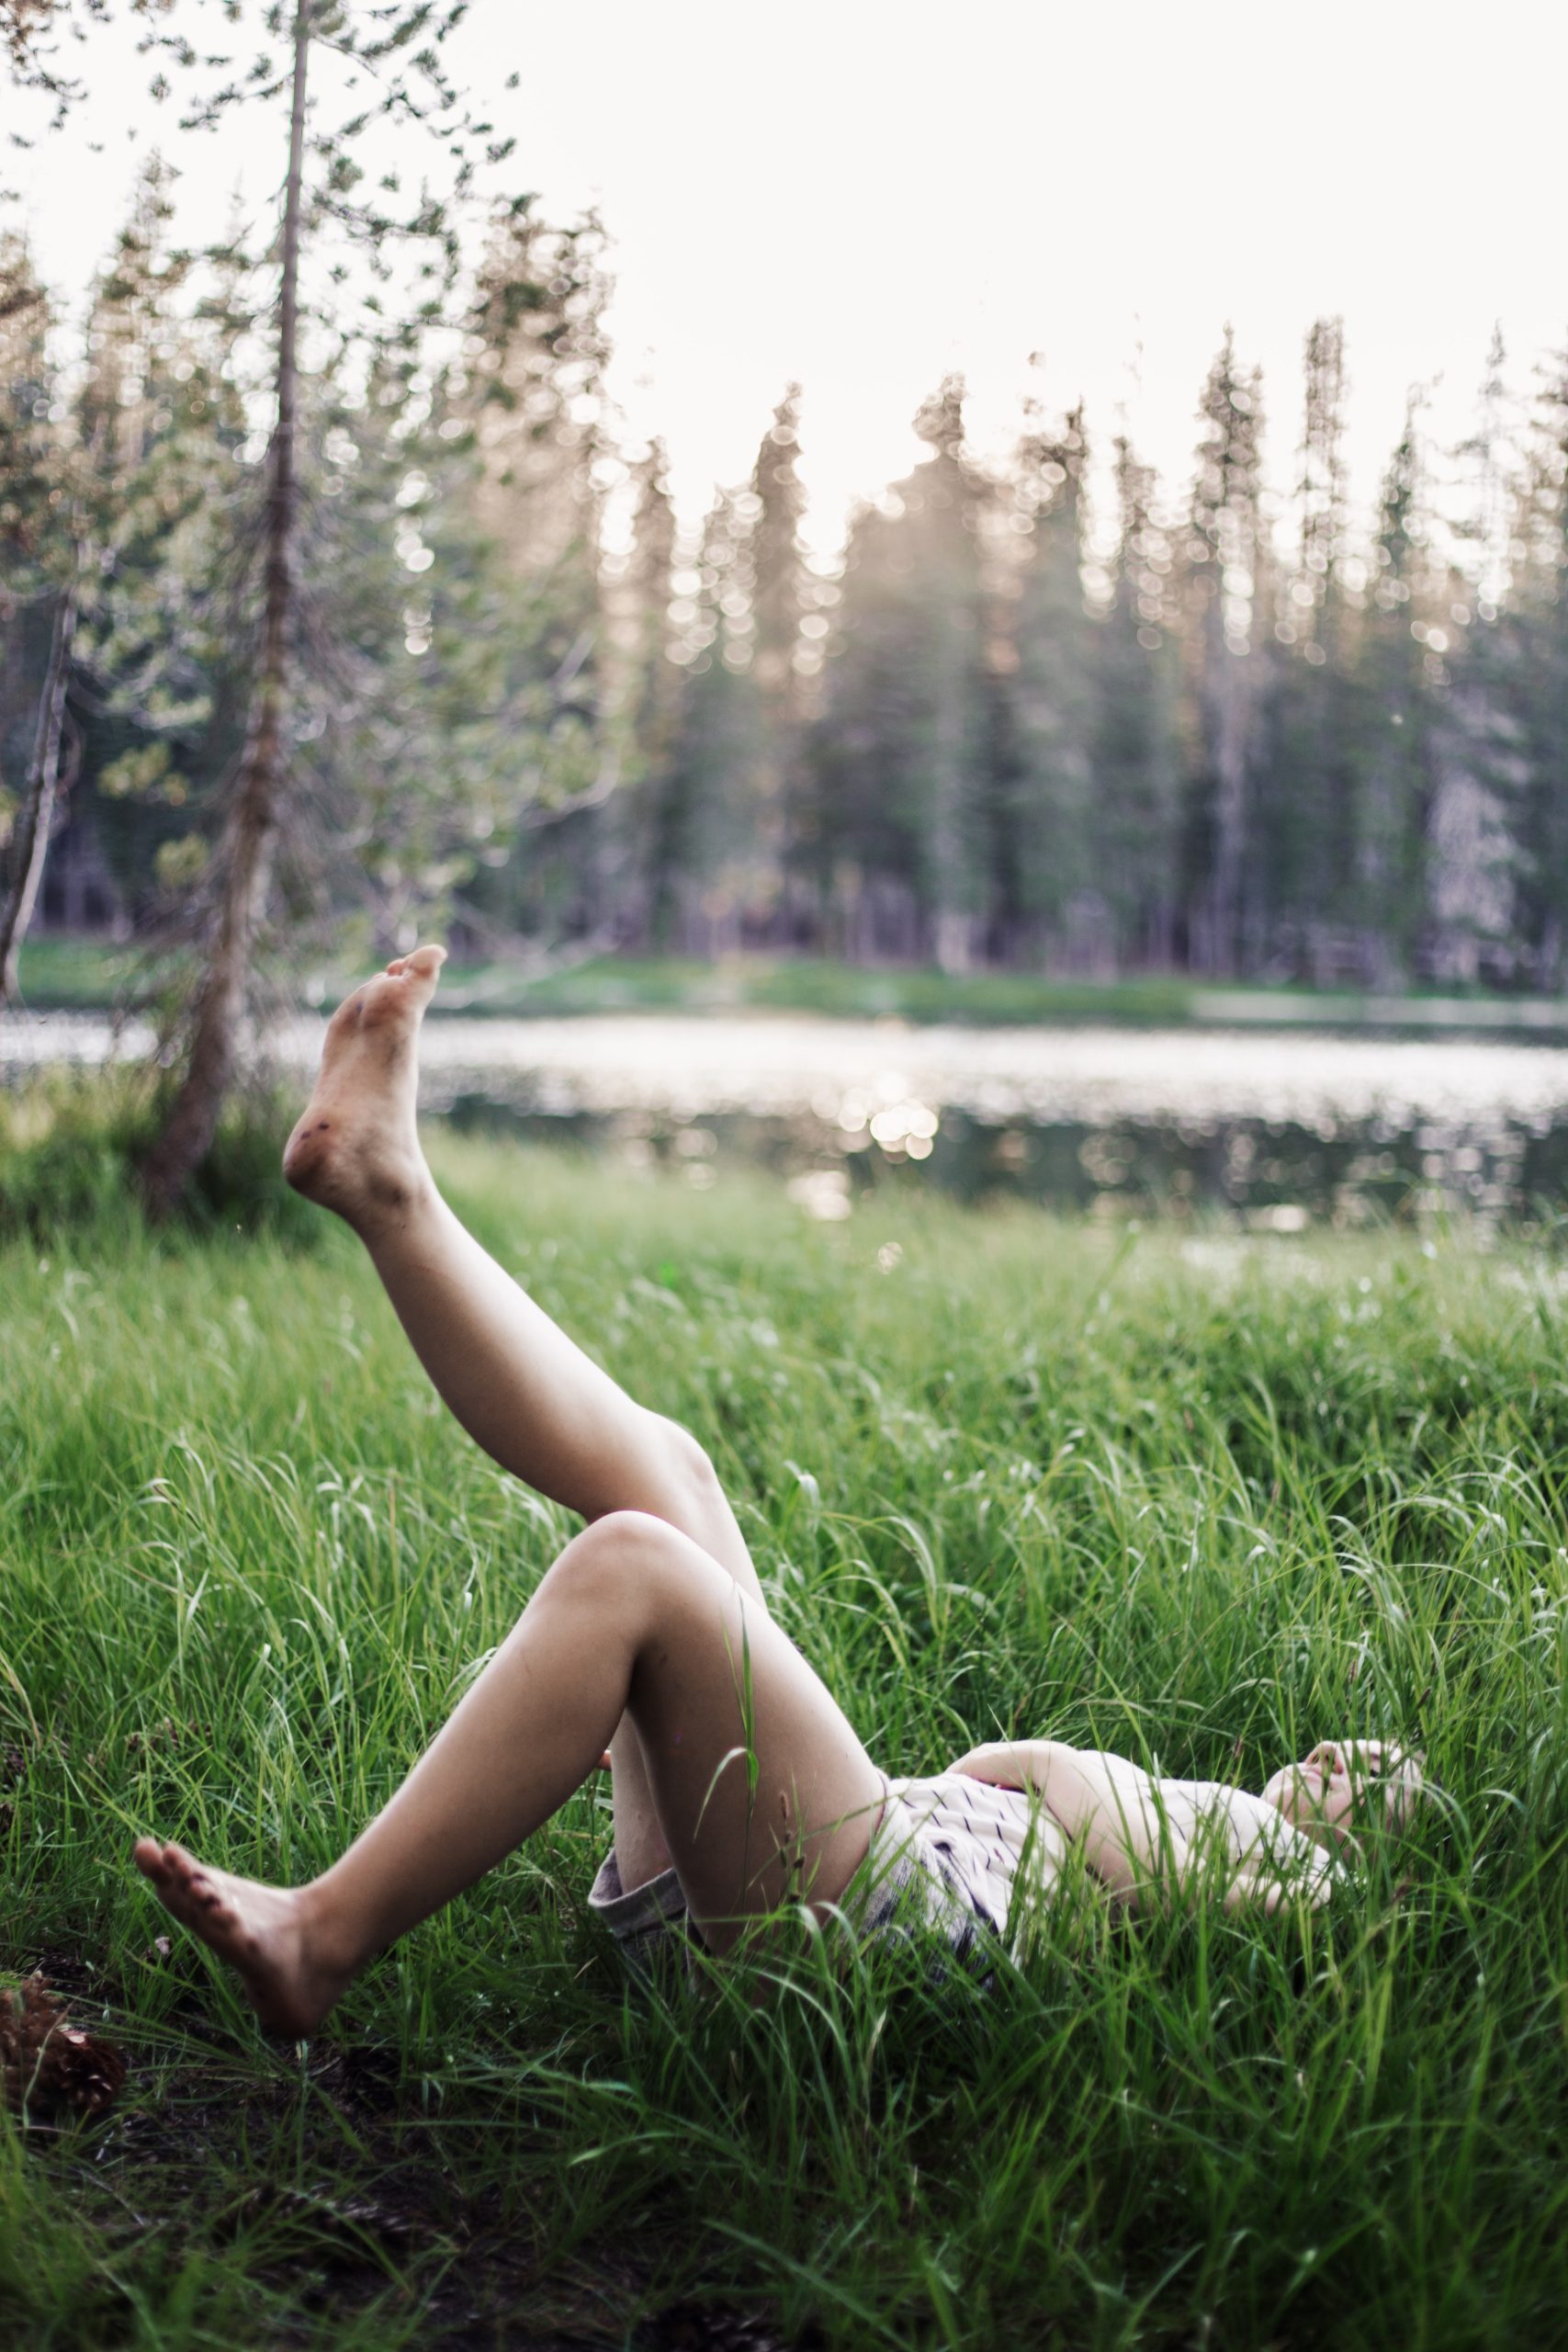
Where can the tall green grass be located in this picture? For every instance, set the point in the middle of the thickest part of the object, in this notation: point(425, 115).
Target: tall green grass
point(1199, 1502)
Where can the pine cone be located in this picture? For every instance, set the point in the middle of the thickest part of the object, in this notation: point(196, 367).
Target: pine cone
point(46, 2062)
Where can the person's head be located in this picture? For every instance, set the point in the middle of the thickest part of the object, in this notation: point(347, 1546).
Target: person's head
point(1346, 1784)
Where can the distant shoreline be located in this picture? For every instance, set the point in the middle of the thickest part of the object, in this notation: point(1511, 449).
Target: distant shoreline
point(77, 975)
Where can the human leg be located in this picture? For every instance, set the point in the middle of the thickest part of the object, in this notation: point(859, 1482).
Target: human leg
point(513, 1379)
point(762, 1790)
point(520, 1388)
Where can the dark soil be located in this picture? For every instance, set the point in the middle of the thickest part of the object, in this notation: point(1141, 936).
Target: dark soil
point(334, 2189)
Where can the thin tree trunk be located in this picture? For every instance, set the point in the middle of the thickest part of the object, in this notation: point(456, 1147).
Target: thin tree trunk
point(949, 867)
point(36, 819)
point(249, 845)
point(1231, 751)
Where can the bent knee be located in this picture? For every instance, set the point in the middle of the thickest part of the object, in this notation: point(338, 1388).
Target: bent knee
point(691, 1462)
point(631, 1531)
point(627, 1550)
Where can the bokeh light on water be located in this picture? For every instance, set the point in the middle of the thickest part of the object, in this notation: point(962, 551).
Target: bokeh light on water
point(1278, 1131)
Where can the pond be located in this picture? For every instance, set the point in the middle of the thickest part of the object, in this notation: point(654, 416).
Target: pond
point(1278, 1131)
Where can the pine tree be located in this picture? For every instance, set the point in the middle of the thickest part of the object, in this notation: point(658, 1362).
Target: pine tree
point(657, 697)
point(41, 569)
point(399, 47)
point(137, 483)
point(944, 506)
point(778, 591)
point(1308, 814)
point(161, 419)
point(1531, 666)
point(534, 386)
point(256, 816)
point(718, 860)
point(1133, 750)
point(1472, 856)
point(1047, 873)
point(1224, 591)
point(1396, 765)
point(900, 747)
point(517, 527)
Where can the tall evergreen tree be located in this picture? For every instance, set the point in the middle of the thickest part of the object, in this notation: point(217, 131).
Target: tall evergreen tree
point(1224, 589)
point(654, 695)
point(945, 508)
point(136, 490)
point(534, 386)
point(244, 865)
point(526, 506)
point(900, 745)
point(1133, 749)
point(1047, 873)
point(1308, 792)
point(1397, 768)
point(400, 47)
point(41, 557)
point(779, 592)
point(1532, 682)
point(161, 419)
point(718, 848)
point(1472, 856)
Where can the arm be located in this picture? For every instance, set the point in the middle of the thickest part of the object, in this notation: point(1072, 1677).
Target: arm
point(1129, 1841)
point(1256, 1886)
point(1126, 1844)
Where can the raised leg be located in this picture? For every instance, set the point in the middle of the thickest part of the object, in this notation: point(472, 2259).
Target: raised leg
point(523, 1390)
point(762, 1790)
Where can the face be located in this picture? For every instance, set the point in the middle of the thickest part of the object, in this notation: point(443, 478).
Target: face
point(1346, 1779)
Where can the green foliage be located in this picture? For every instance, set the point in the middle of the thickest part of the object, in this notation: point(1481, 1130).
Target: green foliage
point(1196, 1500)
point(899, 755)
point(1049, 852)
point(1527, 672)
point(1215, 737)
point(70, 1146)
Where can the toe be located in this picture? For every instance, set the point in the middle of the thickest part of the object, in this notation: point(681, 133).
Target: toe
point(183, 1874)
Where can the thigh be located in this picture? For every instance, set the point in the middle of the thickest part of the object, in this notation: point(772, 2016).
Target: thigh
point(762, 1788)
point(640, 1851)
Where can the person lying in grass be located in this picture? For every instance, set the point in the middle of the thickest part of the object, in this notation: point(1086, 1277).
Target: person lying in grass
point(740, 1789)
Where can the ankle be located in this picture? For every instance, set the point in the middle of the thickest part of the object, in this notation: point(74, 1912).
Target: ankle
point(329, 1944)
point(398, 1203)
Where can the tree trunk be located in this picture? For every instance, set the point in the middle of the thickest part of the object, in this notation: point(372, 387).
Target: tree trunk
point(948, 874)
point(249, 843)
point(34, 825)
point(1230, 754)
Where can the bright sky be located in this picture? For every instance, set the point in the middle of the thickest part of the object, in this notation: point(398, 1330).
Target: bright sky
point(864, 194)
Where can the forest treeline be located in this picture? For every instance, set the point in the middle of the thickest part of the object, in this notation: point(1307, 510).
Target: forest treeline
point(1212, 734)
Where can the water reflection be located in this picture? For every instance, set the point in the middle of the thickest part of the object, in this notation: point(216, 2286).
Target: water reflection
point(1272, 1176)
point(1278, 1131)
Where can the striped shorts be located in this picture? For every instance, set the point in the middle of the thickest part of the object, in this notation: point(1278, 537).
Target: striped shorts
point(950, 1857)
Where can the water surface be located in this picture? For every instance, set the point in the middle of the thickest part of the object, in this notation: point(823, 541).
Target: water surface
point(1280, 1130)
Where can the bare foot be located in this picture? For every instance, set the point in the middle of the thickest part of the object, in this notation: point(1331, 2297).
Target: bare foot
point(355, 1147)
point(262, 1931)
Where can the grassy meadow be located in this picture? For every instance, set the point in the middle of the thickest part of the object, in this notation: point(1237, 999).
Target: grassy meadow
point(1203, 1500)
